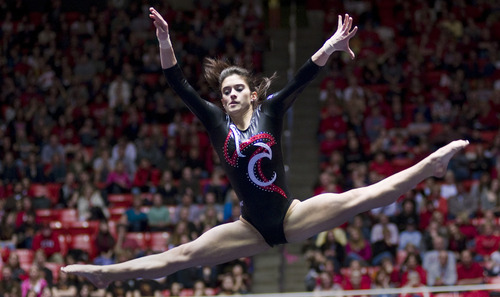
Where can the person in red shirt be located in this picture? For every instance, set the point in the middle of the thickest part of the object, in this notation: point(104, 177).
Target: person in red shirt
point(487, 242)
point(381, 165)
point(47, 240)
point(413, 263)
point(470, 273)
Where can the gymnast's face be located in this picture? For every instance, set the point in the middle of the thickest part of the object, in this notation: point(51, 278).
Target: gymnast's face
point(237, 99)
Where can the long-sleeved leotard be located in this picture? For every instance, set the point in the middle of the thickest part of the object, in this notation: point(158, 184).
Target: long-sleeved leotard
point(252, 159)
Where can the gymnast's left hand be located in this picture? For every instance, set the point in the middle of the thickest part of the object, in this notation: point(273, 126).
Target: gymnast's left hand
point(340, 39)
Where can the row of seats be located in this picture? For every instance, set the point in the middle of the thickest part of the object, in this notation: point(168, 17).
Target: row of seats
point(154, 241)
point(51, 192)
point(70, 215)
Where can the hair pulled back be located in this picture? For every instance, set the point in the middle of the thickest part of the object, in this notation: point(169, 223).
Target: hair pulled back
point(216, 70)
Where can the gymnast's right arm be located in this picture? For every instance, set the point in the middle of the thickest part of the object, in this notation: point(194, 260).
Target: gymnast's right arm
point(204, 110)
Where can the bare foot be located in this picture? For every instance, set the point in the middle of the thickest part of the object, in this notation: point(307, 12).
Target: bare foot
point(91, 272)
point(439, 159)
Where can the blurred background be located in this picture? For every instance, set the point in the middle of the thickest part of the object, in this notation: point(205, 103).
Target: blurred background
point(100, 162)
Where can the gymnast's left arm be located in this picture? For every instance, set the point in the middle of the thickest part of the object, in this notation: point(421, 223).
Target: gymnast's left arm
point(339, 41)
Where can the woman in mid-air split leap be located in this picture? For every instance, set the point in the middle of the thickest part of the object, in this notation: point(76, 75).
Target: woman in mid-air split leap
point(246, 133)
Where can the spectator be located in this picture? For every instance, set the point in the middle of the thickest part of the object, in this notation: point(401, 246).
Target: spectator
point(469, 272)
point(119, 93)
point(457, 240)
point(158, 214)
point(147, 287)
point(34, 169)
point(9, 285)
point(217, 185)
point(119, 288)
point(325, 283)
point(356, 279)
point(146, 177)
point(53, 147)
point(91, 205)
point(66, 192)
point(191, 182)
point(146, 149)
point(167, 188)
point(65, 286)
point(134, 218)
point(105, 244)
point(331, 244)
point(102, 166)
point(118, 180)
point(35, 282)
point(41, 260)
point(387, 265)
point(200, 289)
point(462, 202)
point(443, 271)
point(377, 232)
point(382, 281)
point(410, 235)
point(357, 248)
point(408, 214)
point(125, 151)
point(449, 186)
point(9, 170)
point(55, 171)
point(488, 191)
point(412, 265)
point(187, 209)
point(242, 281)
point(47, 240)
point(227, 285)
point(487, 242)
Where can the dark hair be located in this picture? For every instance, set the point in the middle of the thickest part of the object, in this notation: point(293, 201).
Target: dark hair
point(216, 70)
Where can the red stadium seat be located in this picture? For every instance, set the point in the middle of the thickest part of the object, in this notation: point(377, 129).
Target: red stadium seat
point(159, 241)
point(141, 239)
point(68, 215)
point(116, 213)
point(120, 200)
point(187, 292)
point(53, 192)
point(25, 258)
point(38, 190)
point(82, 242)
point(86, 227)
point(46, 215)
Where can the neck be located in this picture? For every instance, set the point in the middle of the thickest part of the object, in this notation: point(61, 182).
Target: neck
point(243, 122)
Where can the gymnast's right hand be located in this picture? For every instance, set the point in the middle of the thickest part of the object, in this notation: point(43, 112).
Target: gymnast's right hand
point(161, 28)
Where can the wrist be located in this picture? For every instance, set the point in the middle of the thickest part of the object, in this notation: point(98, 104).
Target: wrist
point(329, 48)
point(165, 43)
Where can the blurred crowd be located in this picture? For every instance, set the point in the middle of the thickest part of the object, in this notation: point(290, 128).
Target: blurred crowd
point(426, 73)
point(99, 161)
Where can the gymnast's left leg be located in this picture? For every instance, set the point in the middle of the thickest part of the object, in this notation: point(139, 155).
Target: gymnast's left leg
point(326, 211)
point(218, 245)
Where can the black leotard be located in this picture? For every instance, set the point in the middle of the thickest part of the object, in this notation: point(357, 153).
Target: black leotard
point(253, 158)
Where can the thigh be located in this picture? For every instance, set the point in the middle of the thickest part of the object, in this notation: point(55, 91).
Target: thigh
point(225, 243)
point(319, 213)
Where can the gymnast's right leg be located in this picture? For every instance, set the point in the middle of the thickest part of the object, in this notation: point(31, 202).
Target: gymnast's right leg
point(218, 245)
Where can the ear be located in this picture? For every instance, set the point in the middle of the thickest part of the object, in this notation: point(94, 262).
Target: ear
point(253, 96)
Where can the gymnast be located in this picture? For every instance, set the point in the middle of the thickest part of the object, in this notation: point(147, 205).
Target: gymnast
point(246, 133)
